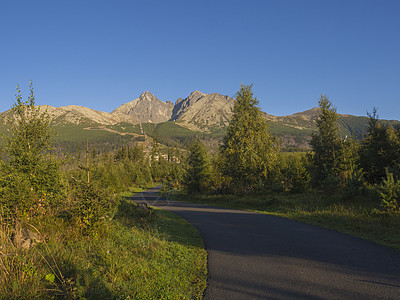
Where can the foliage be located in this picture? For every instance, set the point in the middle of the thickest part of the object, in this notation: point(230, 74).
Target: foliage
point(91, 205)
point(379, 149)
point(355, 184)
point(248, 152)
point(326, 144)
point(334, 157)
point(30, 134)
point(295, 175)
point(30, 183)
point(197, 175)
point(389, 192)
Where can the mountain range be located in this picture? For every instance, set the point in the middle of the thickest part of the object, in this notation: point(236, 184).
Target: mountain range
point(199, 113)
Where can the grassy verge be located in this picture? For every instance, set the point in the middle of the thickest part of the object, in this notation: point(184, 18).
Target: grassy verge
point(359, 216)
point(136, 255)
point(136, 189)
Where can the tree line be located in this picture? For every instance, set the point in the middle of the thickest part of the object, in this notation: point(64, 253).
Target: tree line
point(250, 159)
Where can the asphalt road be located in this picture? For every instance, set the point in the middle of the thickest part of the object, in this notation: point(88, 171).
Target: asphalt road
point(257, 256)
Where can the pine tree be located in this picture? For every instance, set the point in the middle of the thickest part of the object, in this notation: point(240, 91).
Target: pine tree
point(326, 144)
point(30, 134)
point(249, 152)
point(334, 156)
point(197, 175)
point(329, 149)
point(379, 149)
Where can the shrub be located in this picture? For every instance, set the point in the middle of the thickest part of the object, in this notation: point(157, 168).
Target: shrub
point(91, 205)
point(330, 184)
point(389, 192)
point(296, 177)
point(354, 185)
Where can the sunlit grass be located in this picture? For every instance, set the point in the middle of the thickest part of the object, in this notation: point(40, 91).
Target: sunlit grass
point(137, 255)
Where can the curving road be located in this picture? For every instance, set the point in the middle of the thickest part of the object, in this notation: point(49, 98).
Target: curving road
point(257, 256)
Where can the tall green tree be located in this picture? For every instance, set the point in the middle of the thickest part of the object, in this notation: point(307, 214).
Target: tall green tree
point(249, 153)
point(326, 144)
point(32, 181)
point(197, 176)
point(334, 156)
point(30, 133)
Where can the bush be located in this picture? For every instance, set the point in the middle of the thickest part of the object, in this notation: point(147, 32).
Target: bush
point(354, 185)
point(130, 215)
point(389, 192)
point(91, 205)
point(296, 177)
point(331, 184)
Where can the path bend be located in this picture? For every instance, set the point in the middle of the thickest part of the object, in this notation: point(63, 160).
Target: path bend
point(259, 256)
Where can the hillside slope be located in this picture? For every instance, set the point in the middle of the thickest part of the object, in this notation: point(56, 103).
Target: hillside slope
point(204, 112)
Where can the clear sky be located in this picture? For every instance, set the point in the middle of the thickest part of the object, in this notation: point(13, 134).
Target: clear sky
point(101, 54)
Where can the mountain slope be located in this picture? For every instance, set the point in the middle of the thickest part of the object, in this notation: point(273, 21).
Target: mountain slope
point(74, 114)
point(182, 105)
point(79, 114)
point(204, 112)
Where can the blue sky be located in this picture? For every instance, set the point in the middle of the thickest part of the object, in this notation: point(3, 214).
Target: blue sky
point(101, 54)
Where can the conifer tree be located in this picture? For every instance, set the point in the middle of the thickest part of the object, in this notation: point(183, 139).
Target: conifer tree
point(379, 149)
point(33, 180)
point(249, 152)
point(197, 175)
point(334, 156)
point(326, 144)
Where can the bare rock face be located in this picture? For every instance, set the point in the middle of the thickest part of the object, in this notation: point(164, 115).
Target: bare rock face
point(146, 108)
point(183, 105)
point(204, 111)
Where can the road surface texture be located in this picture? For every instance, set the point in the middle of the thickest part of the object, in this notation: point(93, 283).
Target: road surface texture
point(258, 256)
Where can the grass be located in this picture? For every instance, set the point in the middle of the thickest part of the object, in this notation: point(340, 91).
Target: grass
point(360, 216)
point(136, 255)
point(136, 189)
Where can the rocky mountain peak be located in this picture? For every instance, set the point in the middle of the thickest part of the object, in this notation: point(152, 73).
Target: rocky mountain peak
point(146, 108)
point(203, 111)
point(196, 94)
point(147, 95)
point(182, 105)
